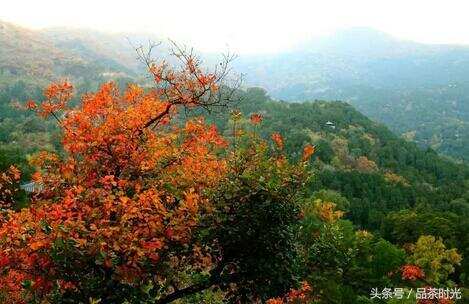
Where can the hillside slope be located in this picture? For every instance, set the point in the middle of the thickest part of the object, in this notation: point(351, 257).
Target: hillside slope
point(33, 57)
point(394, 188)
point(353, 152)
point(358, 56)
point(113, 49)
point(416, 89)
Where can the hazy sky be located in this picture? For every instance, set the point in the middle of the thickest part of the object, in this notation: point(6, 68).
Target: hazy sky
point(249, 25)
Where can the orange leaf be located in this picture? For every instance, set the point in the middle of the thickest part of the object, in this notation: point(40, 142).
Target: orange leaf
point(308, 151)
point(37, 245)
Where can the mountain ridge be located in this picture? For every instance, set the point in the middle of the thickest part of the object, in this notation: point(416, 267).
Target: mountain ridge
point(33, 56)
point(416, 89)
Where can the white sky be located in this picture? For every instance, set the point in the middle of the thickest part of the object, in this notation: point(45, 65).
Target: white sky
point(249, 26)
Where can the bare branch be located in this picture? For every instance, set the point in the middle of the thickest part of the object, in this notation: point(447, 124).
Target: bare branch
point(188, 83)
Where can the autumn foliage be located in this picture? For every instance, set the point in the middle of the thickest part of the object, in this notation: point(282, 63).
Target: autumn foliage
point(8, 186)
point(412, 273)
point(124, 212)
point(295, 296)
point(127, 195)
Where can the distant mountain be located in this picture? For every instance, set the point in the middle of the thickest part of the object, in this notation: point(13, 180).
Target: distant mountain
point(38, 57)
point(353, 57)
point(26, 53)
point(112, 48)
point(418, 90)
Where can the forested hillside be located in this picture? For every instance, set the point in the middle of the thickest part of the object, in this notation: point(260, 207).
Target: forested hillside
point(174, 187)
point(36, 59)
point(393, 187)
point(418, 90)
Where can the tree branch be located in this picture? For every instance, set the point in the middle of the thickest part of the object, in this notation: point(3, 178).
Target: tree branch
point(215, 279)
